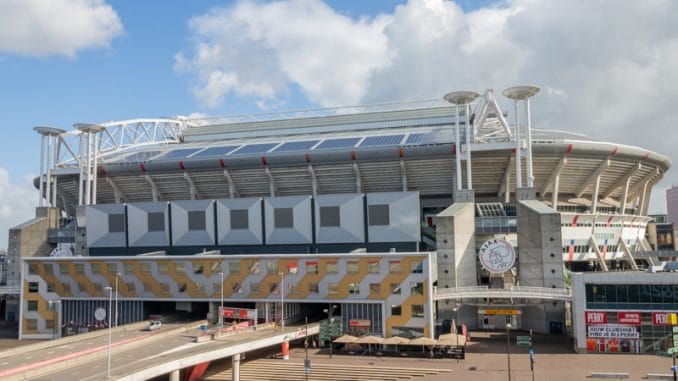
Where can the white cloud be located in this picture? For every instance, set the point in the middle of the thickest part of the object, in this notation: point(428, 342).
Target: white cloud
point(17, 203)
point(56, 27)
point(607, 69)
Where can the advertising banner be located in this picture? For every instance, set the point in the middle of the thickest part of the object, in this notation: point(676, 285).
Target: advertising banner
point(630, 318)
point(596, 317)
point(359, 323)
point(663, 318)
point(228, 312)
point(613, 331)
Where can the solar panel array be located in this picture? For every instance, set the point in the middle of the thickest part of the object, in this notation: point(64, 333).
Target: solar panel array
point(338, 143)
point(216, 151)
point(384, 140)
point(139, 157)
point(254, 148)
point(296, 146)
point(179, 153)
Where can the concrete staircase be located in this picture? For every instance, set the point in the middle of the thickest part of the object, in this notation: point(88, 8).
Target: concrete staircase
point(277, 370)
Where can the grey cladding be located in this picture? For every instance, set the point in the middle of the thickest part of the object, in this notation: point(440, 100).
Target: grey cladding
point(283, 218)
point(116, 222)
point(239, 219)
point(329, 216)
point(156, 222)
point(196, 220)
point(378, 215)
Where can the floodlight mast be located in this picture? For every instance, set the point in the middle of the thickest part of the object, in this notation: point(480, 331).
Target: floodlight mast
point(462, 98)
point(523, 93)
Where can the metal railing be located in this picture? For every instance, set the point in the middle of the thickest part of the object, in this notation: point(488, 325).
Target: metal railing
point(514, 292)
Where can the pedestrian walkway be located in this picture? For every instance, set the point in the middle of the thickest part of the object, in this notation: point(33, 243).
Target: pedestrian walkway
point(277, 370)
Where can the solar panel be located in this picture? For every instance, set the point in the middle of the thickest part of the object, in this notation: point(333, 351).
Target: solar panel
point(255, 148)
point(215, 151)
point(385, 140)
point(139, 157)
point(179, 153)
point(338, 143)
point(421, 138)
point(296, 146)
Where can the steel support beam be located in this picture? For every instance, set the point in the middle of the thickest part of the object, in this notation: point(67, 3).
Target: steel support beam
point(157, 196)
point(191, 187)
point(232, 190)
point(271, 182)
point(117, 193)
point(599, 255)
point(593, 177)
point(403, 174)
point(553, 179)
point(505, 186)
point(358, 182)
point(622, 180)
point(639, 186)
point(314, 180)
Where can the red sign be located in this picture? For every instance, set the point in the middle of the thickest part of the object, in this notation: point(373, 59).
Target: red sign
point(596, 317)
point(228, 312)
point(631, 318)
point(243, 314)
point(359, 323)
point(660, 318)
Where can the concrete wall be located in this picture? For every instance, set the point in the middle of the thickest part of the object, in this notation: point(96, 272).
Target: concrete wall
point(540, 261)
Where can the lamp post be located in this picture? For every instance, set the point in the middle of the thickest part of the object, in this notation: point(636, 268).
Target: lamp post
point(221, 302)
point(456, 334)
point(508, 348)
point(110, 307)
point(306, 367)
point(117, 275)
point(329, 312)
point(282, 300)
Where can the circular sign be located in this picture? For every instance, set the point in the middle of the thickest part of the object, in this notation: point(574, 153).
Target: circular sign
point(100, 314)
point(497, 255)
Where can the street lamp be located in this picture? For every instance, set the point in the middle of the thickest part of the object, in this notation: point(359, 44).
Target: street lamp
point(110, 307)
point(306, 364)
point(117, 275)
point(508, 348)
point(456, 334)
point(329, 312)
point(221, 310)
point(282, 300)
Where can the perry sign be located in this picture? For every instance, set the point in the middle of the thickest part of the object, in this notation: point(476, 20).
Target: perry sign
point(497, 255)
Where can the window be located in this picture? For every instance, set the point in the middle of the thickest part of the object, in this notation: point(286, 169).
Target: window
point(50, 287)
point(378, 215)
point(63, 268)
point(375, 288)
point(396, 310)
point(373, 267)
point(82, 287)
point(234, 267)
point(352, 267)
point(283, 218)
point(199, 288)
point(145, 268)
point(32, 324)
point(418, 310)
point(130, 287)
point(333, 288)
point(196, 220)
point(163, 268)
point(156, 222)
point(179, 268)
point(331, 267)
point(253, 267)
point(235, 288)
point(313, 288)
point(98, 288)
point(216, 267)
point(198, 268)
point(181, 287)
point(129, 268)
point(33, 269)
point(32, 287)
point(395, 288)
point(112, 268)
point(329, 216)
point(294, 289)
point(80, 268)
point(273, 287)
point(67, 287)
point(116, 223)
point(394, 267)
point(292, 267)
point(32, 305)
point(240, 219)
point(417, 288)
point(148, 287)
point(255, 288)
point(164, 287)
point(49, 324)
point(354, 288)
point(272, 267)
point(417, 267)
point(311, 267)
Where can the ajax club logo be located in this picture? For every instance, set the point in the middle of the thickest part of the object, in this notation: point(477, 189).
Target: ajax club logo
point(497, 255)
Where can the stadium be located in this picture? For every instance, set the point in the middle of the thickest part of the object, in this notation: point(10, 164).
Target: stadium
point(401, 219)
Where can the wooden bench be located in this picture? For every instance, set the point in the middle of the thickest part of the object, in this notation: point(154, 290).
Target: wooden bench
point(609, 375)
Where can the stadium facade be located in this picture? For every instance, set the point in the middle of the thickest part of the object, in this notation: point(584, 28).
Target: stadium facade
point(399, 218)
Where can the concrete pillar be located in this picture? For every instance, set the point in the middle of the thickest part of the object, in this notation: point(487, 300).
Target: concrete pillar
point(456, 250)
point(175, 375)
point(235, 367)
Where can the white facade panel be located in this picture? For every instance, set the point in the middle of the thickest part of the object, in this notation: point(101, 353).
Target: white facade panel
point(349, 227)
point(192, 222)
point(149, 224)
point(239, 221)
point(288, 220)
point(105, 225)
point(402, 222)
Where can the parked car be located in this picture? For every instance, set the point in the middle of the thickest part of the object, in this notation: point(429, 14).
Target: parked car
point(153, 325)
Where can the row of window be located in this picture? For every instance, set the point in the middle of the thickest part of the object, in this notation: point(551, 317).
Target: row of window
point(650, 294)
point(416, 310)
point(601, 224)
point(330, 216)
point(253, 267)
point(416, 288)
point(587, 248)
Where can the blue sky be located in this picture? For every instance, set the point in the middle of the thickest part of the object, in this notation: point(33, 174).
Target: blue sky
point(152, 59)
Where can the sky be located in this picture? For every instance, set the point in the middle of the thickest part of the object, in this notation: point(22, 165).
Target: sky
point(606, 68)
